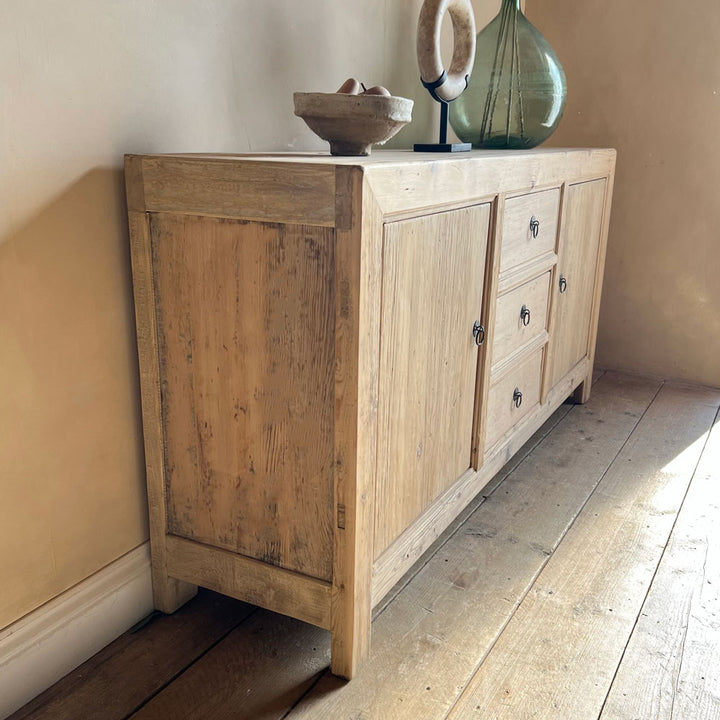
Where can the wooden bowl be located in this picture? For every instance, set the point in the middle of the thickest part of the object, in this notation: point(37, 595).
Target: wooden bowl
point(352, 123)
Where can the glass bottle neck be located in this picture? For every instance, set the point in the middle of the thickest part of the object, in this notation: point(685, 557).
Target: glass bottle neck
point(511, 4)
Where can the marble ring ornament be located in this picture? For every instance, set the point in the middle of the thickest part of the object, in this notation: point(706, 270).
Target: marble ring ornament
point(445, 85)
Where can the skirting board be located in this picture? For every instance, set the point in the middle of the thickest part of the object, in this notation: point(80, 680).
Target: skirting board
point(49, 642)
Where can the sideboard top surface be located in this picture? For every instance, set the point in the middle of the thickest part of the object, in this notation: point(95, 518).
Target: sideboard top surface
point(283, 187)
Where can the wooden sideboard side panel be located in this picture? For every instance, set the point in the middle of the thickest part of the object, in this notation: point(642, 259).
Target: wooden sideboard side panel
point(246, 339)
point(433, 273)
point(168, 593)
point(262, 191)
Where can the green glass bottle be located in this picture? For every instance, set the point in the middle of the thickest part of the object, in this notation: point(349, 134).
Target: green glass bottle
point(517, 89)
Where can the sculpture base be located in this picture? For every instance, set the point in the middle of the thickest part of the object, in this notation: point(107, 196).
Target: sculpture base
point(442, 147)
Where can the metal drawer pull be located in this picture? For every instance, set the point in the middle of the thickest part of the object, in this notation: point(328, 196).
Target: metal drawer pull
point(534, 226)
point(478, 333)
point(563, 284)
point(517, 397)
point(525, 315)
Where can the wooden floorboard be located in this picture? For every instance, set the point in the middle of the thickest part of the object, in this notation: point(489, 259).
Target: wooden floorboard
point(258, 672)
point(123, 675)
point(671, 667)
point(584, 580)
point(431, 639)
point(560, 651)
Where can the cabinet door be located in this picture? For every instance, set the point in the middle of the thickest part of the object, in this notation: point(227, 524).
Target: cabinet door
point(575, 276)
point(433, 273)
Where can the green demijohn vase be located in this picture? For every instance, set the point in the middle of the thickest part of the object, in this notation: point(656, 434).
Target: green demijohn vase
point(517, 89)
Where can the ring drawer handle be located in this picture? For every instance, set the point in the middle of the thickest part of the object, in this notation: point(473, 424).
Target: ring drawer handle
point(563, 284)
point(478, 333)
point(525, 315)
point(517, 397)
point(534, 226)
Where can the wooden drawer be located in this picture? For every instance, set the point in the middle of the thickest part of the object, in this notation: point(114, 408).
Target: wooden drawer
point(521, 317)
point(529, 227)
point(502, 410)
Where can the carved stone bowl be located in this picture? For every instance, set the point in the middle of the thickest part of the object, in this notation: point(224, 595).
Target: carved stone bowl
point(352, 123)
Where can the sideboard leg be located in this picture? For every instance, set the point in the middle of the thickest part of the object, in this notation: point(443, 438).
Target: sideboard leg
point(169, 594)
point(582, 391)
point(350, 640)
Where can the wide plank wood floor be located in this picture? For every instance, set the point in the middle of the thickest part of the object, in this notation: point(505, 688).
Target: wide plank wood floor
point(583, 583)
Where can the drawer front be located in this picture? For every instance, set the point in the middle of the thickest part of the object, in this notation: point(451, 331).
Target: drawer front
point(521, 317)
point(529, 227)
point(505, 407)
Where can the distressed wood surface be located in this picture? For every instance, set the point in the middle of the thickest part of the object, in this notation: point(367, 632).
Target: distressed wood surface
point(428, 361)
point(434, 635)
point(671, 667)
point(294, 594)
point(246, 343)
point(168, 593)
point(275, 355)
point(357, 322)
point(263, 191)
point(559, 652)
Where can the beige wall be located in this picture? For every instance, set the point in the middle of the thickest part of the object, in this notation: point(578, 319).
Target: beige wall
point(82, 83)
point(644, 77)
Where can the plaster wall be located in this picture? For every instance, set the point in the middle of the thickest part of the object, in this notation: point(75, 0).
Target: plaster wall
point(644, 77)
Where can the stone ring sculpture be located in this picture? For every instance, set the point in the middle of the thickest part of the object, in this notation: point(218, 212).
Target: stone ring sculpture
point(445, 85)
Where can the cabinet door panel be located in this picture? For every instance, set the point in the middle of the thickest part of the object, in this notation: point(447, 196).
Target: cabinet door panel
point(577, 262)
point(433, 273)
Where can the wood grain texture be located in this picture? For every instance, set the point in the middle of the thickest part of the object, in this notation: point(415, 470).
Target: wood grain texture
point(264, 191)
point(402, 181)
point(519, 246)
point(259, 583)
point(168, 593)
point(502, 413)
point(119, 679)
point(247, 360)
point(670, 668)
point(438, 630)
point(485, 356)
point(428, 361)
point(258, 671)
point(578, 251)
point(510, 332)
point(357, 322)
point(315, 411)
point(558, 654)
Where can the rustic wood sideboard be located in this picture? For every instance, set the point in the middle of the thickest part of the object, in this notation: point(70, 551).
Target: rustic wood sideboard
point(336, 354)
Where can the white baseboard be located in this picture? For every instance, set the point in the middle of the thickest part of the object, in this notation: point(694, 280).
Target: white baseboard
point(48, 643)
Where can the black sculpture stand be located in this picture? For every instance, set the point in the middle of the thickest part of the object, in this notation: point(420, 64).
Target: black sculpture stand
point(443, 145)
